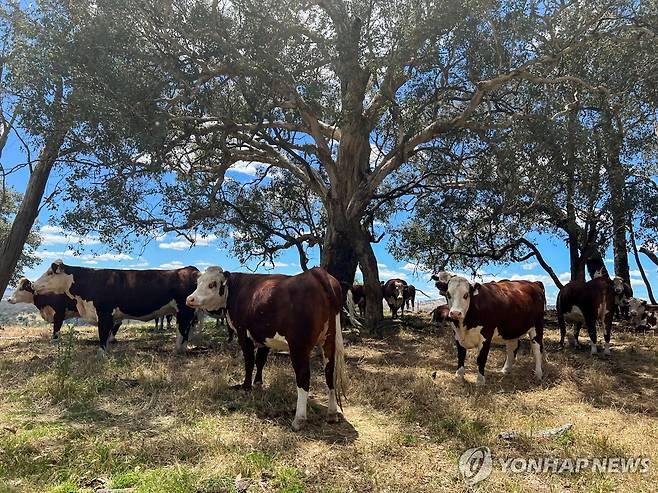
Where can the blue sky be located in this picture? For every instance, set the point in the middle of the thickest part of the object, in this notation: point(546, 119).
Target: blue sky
point(170, 251)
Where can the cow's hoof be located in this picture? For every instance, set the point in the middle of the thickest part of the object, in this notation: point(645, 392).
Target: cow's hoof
point(460, 373)
point(480, 380)
point(241, 386)
point(607, 351)
point(593, 349)
point(539, 375)
point(332, 418)
point(56, 337)
point(298, 424)
point(101, 354)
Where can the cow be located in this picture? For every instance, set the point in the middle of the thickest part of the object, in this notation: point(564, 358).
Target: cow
point(499, 312)
point(393, 293)
point(441, 316)
point(358, 292)
point(409, 295)
point(275, 311)
point(104, 296)
point(54, 308)
point(160, 321)
point(587, 303)
point(623, 293)
point(643, 315)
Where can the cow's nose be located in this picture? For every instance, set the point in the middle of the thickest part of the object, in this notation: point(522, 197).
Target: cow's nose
point(455, 314)
point(189, 301)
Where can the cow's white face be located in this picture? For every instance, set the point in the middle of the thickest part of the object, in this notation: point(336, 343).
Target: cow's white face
point(211, 290)
point(458, 294)
point(23, 293)
point(618, 284)
point(398, 290)
point(54, 280)
point(636, 307)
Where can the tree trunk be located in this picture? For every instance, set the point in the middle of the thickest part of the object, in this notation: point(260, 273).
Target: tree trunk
point(368, 263)
point(639, 265)
point(616, 183)
point(12, 247)
point(338, 255)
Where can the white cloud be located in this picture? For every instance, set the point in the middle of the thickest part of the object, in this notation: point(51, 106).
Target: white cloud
point(87, 258)
point(382, 266)
point(174, 264)
point(530, 266)
point(246, 168)
point(281, 264)
point(184, 244)
point(138, 265)
point(609, 261)
point(90, 262)
point(54, 235)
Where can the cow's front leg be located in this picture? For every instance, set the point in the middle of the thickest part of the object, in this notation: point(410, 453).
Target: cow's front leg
point(57, 323)
point(248, 354)
point(591, 330)
point(576, 334)
point(105, 325)
point(482, 361)
point(261, 359)
point(461, 359)
point(301, 364)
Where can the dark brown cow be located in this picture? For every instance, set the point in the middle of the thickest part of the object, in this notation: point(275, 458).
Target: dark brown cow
point(623, 293)
point(393, 293)
point(581, 302)
point(359, 297)
point(440, 316)
point(498, 312)
point(409, 295)
point(274, 311)
point(104, 296)
point(54, 308)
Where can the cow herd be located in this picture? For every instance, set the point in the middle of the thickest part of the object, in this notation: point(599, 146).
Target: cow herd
point(298, 313)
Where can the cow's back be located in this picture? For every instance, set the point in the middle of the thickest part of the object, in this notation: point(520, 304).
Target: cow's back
point(507, 305)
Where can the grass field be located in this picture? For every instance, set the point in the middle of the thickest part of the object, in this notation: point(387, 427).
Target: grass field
point(150, 421)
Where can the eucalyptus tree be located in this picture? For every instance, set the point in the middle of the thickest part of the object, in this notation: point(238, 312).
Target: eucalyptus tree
point(346, 97)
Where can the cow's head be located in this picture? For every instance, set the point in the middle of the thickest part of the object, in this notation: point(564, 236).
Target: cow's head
point(441, 283)
point(56, 280)
point(458, 292)
point(24, 292)
point(211, 290)
point(618, 284)
point(398, 290)
point(636, 307)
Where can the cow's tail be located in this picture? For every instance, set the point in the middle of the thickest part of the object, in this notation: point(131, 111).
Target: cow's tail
point(340, 379)
point(351, 310)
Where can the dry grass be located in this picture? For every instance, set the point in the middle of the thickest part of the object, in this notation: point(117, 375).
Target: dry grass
point(153, 421)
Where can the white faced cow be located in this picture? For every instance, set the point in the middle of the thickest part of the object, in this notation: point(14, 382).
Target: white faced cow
point(498, 312)
point(292, 313)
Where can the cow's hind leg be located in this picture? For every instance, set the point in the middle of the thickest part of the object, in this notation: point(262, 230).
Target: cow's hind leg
point(607, 327)
point(576, 334)
point(536, 335)
point(301, 364)
point(512, 349)
point(184, 318)
point(261, 359)
point(329, 357)
point(591, 330)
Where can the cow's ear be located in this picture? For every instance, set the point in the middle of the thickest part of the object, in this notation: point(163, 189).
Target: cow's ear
point(227, 274)
point(57, 268)
point(643, 303)
point(435, 277)
point(476, 288)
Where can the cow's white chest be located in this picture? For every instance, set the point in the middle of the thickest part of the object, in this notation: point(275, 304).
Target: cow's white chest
point(48, 313)
point(575, 315)
point(468, 338)
point(278, 342)
point(170, 308)
point(86, 309)
point(497, 338)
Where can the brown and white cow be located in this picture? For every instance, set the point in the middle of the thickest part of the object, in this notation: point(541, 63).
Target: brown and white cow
point(393, 293)
point(499, 312)
point(358, 292)
point(104, 296)
point(441, 316)
point(54, 308)
point(274, 311)
point(623, 293)
point(587, 303)
point(643, 315)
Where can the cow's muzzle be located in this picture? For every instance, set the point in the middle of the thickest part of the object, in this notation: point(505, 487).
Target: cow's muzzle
point(456, 315)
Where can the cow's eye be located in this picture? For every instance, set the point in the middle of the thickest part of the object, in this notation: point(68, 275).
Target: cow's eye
point(212, 285)
point(465, 296)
